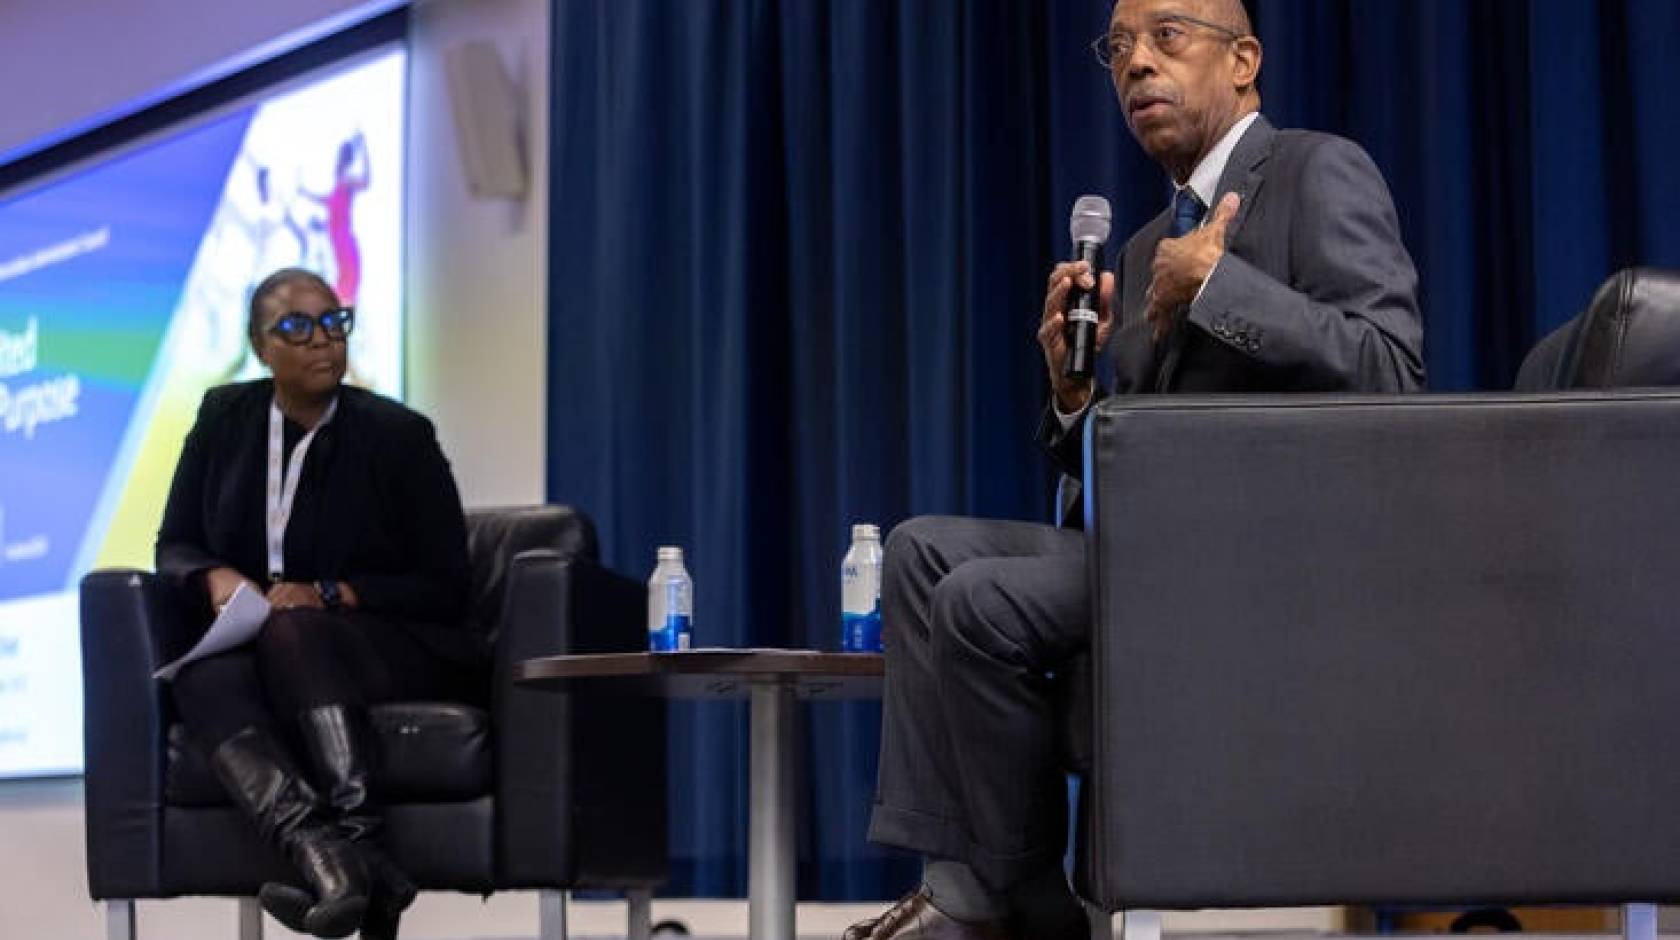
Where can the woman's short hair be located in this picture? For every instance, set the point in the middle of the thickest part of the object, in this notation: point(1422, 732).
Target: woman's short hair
point(272, 283)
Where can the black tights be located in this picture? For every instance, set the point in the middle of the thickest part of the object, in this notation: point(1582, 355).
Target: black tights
point(302, 659)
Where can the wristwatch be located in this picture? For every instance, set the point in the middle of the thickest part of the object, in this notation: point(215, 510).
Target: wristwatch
point(330, 594)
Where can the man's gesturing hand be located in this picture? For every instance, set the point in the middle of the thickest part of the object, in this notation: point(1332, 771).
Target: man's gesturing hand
point(1183, 264)
point(1071, 394)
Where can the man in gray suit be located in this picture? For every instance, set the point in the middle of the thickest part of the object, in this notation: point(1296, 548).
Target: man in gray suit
point(1295, 281)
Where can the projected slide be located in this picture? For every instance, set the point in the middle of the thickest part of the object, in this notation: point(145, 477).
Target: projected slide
point(123, 291)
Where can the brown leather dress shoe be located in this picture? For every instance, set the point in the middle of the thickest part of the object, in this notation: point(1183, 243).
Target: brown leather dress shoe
point(915, 918)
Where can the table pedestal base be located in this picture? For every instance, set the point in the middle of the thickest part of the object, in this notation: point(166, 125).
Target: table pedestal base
point(772, 853)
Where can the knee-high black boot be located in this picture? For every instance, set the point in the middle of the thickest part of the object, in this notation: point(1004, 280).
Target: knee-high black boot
point(256, 770)
point(339, 739)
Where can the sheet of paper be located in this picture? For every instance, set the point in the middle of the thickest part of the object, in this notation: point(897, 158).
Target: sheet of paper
point(237, 624)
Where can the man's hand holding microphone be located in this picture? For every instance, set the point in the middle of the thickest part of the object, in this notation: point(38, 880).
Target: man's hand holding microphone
point(1072, 393)
point(1078, 311)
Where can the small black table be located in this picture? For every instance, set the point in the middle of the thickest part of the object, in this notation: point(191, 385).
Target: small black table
point(773, 679)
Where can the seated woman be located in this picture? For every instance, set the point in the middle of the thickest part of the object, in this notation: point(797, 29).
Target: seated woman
point(338, 505)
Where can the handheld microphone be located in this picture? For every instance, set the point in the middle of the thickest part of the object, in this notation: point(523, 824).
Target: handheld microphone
point(1089, 226)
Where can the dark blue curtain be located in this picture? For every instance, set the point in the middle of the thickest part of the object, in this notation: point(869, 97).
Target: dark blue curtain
point(798, 251)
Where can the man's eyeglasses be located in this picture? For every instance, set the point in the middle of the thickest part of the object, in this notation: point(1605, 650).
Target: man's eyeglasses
point(298, 328)
point(1169, 36)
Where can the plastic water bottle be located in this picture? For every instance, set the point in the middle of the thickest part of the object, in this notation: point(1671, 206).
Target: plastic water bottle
point(670, 603)
point(860, 592)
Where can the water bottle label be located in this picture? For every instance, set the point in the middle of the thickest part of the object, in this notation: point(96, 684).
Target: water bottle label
point(672, 636)
point(861, 633)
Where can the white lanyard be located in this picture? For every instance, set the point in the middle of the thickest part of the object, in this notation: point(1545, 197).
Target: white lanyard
point(282, 491)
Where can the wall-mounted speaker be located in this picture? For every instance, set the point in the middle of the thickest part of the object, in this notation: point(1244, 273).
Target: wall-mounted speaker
point(488, 130)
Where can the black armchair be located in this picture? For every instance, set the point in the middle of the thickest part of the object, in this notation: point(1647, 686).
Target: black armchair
point(1628, 336)
point(540, 790)
point(1391, 651)
point(1385, 651)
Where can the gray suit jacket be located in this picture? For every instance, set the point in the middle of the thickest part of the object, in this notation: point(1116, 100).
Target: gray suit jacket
point(1315, 292)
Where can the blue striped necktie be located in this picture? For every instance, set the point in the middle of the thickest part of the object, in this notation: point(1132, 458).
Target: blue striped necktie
point(1187, 212)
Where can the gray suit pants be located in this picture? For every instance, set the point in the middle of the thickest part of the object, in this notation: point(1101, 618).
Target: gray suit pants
point(975, 615)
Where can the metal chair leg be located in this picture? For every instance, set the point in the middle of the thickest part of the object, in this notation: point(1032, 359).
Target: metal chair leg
point(119, 920)
point(1141, 925)
point(1639, 921)
point(641, 913)
point(551, 914)
point(1102, 923)
point(250, 919)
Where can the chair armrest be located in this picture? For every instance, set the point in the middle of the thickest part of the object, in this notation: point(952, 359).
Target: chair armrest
point(1385, 650)
point(131, 623)
point(495, 536)
point(580, 778)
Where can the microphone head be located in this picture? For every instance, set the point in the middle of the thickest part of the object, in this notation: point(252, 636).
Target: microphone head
point(1090, 220)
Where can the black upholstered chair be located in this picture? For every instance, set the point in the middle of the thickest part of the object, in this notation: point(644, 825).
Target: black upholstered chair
point(530, 790)
point(1629, 336)
point(1386, 651)
point(1391, 651)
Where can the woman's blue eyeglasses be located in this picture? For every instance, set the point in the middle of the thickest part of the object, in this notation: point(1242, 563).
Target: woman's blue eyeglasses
point(298, 328)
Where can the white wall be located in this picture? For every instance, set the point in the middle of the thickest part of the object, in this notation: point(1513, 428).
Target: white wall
point(477, 350)
point(477, 286)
